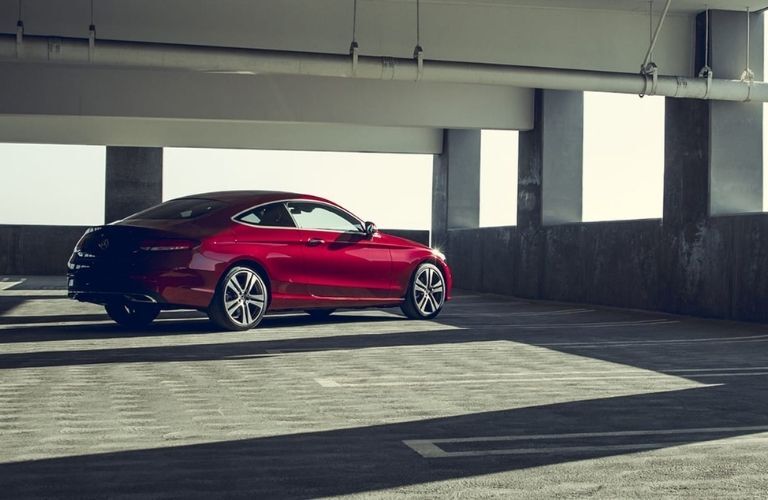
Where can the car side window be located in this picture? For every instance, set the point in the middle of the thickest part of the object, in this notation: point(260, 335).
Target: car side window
point(310, 215)
point(272, 215)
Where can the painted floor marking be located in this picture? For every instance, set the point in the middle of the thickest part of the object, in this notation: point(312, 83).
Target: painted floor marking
point(610, 343)
point(560, 312)
point(524, 378)
point(429, 448)
point(551, 326)
point(658, 371)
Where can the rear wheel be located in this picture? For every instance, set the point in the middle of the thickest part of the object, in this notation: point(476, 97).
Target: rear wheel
point(132, 314)
point(320, 313)
point(426, 293)
point(240, 300)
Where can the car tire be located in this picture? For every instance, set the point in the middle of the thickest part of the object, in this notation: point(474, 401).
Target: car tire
point(426, 293)
point(320, 313)
point(132, 314)
point(240, 301)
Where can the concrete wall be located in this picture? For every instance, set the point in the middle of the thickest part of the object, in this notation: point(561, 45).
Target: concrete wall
point(717, 268)
point(44, 250)
point(30, 250)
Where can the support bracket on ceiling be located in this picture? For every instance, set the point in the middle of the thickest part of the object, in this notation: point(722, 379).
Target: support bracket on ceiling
point(649, 70)
point(91, 42)
point(354, 51)
point(418, 54)
point(19, 37)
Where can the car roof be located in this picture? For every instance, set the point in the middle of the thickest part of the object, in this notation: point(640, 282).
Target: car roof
point(246, 196)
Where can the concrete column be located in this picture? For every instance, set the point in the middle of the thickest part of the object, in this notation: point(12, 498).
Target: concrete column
point(550, 161)
point(456, 185)
point(134, 180)
point(736, 129)
point(549, 189)
point(562, 155)
point(686, 162)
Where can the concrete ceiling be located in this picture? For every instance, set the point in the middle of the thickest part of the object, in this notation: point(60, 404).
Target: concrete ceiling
point(677, 6)
point(606, 35)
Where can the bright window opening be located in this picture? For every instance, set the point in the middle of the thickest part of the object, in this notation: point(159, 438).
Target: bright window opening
point(52, 184)
point(623, 157)
point(765, 126)
point(392, 190)
point(498, 178)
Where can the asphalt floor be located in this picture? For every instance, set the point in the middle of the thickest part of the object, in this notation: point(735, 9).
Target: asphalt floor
point(497, 398)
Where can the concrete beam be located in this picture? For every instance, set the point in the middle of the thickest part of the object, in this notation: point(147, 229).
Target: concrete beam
point(159, 132)
point(134, 181)
point(163, 94)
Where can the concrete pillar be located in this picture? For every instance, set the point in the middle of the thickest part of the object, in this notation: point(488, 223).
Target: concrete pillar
point(736, 129)
point(134, 180)
point(549, 187)
point(686, 162)
point(456, 185)
point(562, 156)
point(550, 161)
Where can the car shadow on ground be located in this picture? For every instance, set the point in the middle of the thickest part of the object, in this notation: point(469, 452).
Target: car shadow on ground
point(169, 323)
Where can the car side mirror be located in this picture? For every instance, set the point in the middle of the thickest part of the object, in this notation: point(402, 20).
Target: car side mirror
point(370, 229)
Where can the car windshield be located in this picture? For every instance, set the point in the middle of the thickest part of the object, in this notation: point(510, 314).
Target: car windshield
point(184, 208)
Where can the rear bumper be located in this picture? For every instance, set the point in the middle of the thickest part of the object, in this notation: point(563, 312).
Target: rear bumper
point(89, 280)
point(101, 288)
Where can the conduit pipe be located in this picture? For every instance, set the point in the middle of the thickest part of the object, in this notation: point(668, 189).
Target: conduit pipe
point(40, 49)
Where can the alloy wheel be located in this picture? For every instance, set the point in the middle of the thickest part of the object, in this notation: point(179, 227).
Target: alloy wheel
point(244, 297)
point(428, 290)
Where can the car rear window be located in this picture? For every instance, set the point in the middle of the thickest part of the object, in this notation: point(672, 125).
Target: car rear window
point(184, 208)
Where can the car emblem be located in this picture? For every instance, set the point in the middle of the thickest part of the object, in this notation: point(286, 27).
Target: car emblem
point(104, 244)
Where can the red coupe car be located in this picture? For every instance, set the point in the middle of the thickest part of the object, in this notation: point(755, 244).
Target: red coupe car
point(238, 254)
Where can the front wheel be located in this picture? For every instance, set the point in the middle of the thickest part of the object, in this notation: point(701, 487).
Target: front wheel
point(132, 314)
point(426, 293)
point(240, 300)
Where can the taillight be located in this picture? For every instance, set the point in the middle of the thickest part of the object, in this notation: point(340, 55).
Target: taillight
point(167, 245)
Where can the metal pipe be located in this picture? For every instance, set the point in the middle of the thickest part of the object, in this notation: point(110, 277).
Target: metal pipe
point(254, 61)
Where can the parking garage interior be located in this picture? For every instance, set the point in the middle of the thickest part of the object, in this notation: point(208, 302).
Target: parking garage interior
point(582, 355)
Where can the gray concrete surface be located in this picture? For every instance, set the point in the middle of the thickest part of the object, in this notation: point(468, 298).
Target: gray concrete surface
point(562, 155)
point(456, 184)
point(736, 129)
point(134, 180)
point(36, 249)
point(498, 398)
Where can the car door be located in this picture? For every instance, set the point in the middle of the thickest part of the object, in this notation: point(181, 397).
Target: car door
point(268, 235)
point(340, 261)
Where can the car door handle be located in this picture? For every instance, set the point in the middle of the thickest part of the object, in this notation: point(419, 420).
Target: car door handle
point(313, 242)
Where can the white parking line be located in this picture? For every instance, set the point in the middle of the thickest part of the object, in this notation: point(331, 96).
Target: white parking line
point(327, 381)
point(658, 371)
point(560, 312)
point(605, 324)
point(429, 448)
point(525, 378)
point(615, 343)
